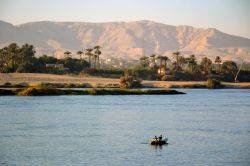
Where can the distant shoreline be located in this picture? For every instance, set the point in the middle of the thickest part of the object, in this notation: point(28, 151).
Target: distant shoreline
point(33, 79)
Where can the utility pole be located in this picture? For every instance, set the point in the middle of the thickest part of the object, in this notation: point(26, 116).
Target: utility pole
point(236, 76)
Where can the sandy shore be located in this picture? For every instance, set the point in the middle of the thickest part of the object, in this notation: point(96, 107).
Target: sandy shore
point(34, 78)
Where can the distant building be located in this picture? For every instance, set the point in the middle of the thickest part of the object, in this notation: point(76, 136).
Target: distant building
point(55, 66)
point(108, 60)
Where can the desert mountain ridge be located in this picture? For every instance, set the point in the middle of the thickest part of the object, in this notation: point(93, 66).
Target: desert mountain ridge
point(126, 40)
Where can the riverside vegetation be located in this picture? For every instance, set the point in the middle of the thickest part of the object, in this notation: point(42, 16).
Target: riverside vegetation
point(14, 58)
point(33, 91)
point(128, 86)
point(50, 89)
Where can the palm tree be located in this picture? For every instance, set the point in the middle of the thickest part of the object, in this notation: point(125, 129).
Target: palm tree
point(80, 54)
point(218, 61)
point(67, 54)
point(176, 55)
point(144, 61)
point(206, 65)
point(191, 60)
point(161, 60)
point(98, 53)
point(229, 68)
point(153, 60)
point(13, 51)
point(95, 56)
point(89, 54)
point(165, 59)
point(182, 60)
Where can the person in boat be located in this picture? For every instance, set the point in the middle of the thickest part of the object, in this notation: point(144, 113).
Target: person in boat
point(160, 138)
point(156, 138)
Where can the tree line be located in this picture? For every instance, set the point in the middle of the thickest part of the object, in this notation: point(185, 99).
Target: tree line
point(93, 55)
point(189, 67)
point(188, 64)
point(14, 58)
point(22, 59)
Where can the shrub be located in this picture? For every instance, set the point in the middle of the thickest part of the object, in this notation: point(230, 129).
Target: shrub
point(5, 92)
point(21, 85)
point(29, 92)
point(25, 68)
point(214, 84)
point(45, 85)
point(129, 82)
point(42, 92)
point(164, 78)
point(93, 92)
point(17, 85)
point(7, 84)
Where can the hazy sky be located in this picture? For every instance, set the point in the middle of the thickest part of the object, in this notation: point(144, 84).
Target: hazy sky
point(230, 16)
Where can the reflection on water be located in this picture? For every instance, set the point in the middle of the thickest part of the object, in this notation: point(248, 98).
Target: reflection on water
point(157, 147)
point(204, 127)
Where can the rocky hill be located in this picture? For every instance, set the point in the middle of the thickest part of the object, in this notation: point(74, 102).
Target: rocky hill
point(125, 40)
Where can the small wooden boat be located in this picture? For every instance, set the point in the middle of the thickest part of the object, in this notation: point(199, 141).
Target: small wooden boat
point(153, 141)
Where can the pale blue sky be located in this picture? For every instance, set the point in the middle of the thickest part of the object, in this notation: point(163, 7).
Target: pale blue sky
point(230, 16)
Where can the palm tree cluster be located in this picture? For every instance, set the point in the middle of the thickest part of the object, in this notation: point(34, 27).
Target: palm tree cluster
point(163, 64)
point(14, 58)
point(93, 55)
point(180, 63)
point(151, 62)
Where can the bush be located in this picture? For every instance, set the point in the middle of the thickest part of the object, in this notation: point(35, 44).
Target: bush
point(29, 92)
point(93, 92)
point(61, 85)
point(25, 68)
point(45, 85)
point(7, 84)
point(111, 73)
point(214, 84)
point(244, 76)
point(21, 85)
point(164, 78)
point(17, 85)
point(129, 82)
point(168, 78)
point(41, 92)
point(6, 92)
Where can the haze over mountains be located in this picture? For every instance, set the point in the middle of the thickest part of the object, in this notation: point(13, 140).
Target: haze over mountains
point(125, 40)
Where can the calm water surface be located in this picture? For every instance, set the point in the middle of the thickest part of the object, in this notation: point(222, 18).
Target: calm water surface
point(204, 127)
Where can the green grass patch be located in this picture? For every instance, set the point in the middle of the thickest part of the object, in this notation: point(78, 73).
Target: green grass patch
point(61, 85)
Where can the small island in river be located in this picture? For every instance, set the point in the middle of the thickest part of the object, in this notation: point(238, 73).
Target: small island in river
point(33, 91)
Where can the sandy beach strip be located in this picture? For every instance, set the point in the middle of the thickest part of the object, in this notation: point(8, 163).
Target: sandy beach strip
point(36, 78)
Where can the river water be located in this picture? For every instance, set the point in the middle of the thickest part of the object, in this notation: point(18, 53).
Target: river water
point(204, 127)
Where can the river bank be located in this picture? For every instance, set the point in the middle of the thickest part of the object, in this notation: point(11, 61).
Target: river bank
point(70, 81)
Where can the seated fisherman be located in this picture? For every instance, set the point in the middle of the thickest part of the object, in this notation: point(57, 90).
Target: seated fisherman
point(160, 138)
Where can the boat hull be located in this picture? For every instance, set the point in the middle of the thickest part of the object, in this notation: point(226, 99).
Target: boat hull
point(156, 142)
